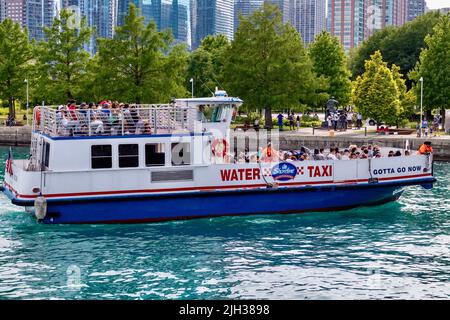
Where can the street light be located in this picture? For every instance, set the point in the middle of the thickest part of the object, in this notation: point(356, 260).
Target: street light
point(26, 81)
point(421, 104)
point(192, 82)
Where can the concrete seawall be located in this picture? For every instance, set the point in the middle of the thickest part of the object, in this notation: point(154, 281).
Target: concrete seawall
point(21, 136)
point(15, 136)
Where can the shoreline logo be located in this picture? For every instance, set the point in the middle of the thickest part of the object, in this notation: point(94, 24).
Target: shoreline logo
point(284, 171)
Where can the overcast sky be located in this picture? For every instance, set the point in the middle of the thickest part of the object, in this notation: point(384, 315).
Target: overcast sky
point(435, 4)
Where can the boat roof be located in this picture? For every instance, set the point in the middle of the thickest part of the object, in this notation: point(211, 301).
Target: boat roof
point(211, 100)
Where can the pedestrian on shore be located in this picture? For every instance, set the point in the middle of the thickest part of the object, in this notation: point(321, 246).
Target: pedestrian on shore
point(298, 122)
point(291, 121)
point(280, 121)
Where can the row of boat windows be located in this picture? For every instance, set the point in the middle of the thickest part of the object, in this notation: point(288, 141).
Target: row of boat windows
point(155, 155)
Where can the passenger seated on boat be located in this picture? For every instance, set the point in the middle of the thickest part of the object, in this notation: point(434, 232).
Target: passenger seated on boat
point(269, 154)
point(397, 153)
point(97, 125)
point(391, 153)
point(332, 154)
point(68, 125)
point(128, 119)
point(407, 153)
point(346, 155)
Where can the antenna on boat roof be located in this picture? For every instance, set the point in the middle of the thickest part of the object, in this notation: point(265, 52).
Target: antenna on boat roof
point(206, 87)
point(220, 85)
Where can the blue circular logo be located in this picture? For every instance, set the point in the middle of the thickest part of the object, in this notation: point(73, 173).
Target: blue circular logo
point(284, 171)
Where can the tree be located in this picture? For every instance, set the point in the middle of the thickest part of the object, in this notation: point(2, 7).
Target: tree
point(407, 98)
point(15, 57)
point(206, 64)
point(62, 59)
point(375, 93)
point(398, 45)
point(329, 60)
point(267, 64)
point(434, 67)
point(139, 65)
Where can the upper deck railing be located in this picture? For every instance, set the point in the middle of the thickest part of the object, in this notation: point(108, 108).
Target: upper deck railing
point(134, 120)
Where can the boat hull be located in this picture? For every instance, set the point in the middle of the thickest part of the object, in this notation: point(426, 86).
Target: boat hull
point(140, 209)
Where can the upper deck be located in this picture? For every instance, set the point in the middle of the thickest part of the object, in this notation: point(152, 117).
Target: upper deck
point(180, 116)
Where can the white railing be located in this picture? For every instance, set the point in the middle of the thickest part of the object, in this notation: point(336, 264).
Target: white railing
point(134, 120)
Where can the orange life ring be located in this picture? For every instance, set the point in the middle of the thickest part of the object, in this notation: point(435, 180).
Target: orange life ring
point(219, 148)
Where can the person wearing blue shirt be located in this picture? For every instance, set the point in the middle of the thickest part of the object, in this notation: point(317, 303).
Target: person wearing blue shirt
point(280, 121)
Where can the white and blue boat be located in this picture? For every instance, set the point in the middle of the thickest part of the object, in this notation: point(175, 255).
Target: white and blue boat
point(167, 162)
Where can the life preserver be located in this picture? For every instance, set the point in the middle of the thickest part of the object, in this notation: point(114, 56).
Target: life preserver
point(219, 148)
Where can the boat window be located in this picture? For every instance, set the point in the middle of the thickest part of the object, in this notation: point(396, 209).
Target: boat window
point(181, 154)
point(154, 154)
point(46, 155)
point(128, 155)
point(101, 156)
point(212, 113)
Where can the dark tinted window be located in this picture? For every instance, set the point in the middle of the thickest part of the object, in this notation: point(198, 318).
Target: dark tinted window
point(101, 157)
point(128, 155)
point(46, 155)
point(181, 154)
point(154, 154)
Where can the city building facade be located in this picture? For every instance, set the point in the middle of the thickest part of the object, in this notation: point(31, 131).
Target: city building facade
point(415, 8)
point(308, 17)
point(211, 17)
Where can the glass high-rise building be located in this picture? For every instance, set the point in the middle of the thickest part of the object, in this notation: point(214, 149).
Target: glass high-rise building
point(415, 8)
point(346, 21)
point(169, 14)
point(309, 18)
point(32, 14)
point(210, 17)
point(245, 8)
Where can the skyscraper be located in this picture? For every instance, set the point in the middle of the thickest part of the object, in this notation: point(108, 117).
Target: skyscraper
point(308, 17)
point(40, 13)
point(285, 8)
point(2, 10)
point(245, 8)
point(210, 17)
point(415, 8)
point(122, 9)
point(382, 13)
point(168, 14)
point(15, 10)
point(346, 21)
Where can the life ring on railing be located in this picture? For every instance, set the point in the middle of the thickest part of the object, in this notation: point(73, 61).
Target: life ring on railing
point(219, 148)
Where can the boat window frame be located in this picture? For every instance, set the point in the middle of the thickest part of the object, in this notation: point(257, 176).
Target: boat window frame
point(163, 152)
point(97, 157)
point(119, 156)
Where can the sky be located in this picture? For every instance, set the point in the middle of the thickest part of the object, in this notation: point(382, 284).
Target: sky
point(436, 4)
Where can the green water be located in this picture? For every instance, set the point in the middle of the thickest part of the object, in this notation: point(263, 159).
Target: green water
point(398, 250)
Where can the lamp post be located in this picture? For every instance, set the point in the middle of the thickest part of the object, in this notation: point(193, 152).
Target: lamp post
point(192, 82)
point(421, 104)
point(26, 81)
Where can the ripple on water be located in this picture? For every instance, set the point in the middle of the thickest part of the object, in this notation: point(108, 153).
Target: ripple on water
point(398, 250)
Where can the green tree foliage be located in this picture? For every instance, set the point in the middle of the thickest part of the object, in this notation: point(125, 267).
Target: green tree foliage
point(329, 60)
point(138, 64)
point(267, 64)
point(375, 93)
point(434, 67)
point(206, 65)
point(398, 45)
point(15, 57)
point(62, 61)
point(407, 98)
